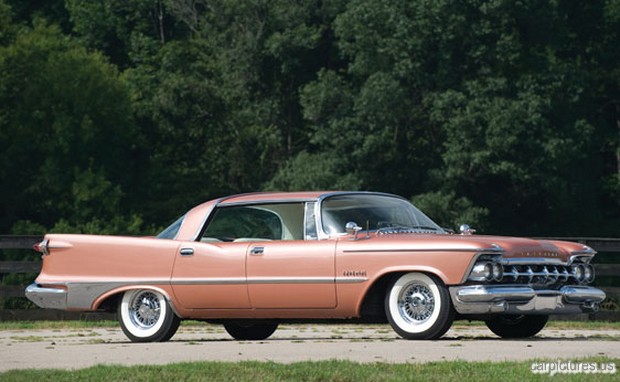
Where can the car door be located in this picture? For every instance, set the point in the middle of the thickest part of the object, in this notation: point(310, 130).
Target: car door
point(211, 275)
point(291, 274)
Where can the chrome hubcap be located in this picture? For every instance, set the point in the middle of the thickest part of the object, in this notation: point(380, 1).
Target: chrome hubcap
point(145, 310)
point(416, 303)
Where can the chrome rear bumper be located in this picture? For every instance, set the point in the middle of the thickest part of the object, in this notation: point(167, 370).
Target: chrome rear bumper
point(52, 298)
point(521, 299)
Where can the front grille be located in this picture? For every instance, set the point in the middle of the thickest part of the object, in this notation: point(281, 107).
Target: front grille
point(539, 274)
point(496, 271)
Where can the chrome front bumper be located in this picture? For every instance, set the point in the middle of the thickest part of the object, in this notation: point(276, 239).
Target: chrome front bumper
point(51, 298)
point(522, 299)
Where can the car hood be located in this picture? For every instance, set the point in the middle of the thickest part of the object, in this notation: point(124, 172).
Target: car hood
point(509, 247)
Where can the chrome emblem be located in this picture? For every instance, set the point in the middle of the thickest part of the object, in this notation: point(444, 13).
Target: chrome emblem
point(354, 273)
point(541, 254)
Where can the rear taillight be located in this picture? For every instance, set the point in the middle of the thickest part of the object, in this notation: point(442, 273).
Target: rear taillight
point(42, 247)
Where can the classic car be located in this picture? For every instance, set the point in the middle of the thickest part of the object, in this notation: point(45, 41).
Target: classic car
point(253, 261)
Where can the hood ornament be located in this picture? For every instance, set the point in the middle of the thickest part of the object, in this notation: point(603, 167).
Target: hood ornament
point(466, 230)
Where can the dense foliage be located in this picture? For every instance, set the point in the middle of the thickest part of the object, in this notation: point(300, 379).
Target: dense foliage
point(118, 115)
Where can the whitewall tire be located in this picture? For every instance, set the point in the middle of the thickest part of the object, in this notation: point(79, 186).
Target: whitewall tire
point(146, 316)
point(418, 306)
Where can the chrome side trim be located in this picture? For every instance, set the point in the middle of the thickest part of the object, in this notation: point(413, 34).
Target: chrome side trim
point(268, 280)
point(350, 280)
point(208, 281)
point(290, 280)
point(81, 295)
point(487, 251)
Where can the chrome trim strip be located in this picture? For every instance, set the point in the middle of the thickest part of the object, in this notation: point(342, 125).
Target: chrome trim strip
point(350, 280)
point(268, 280)
point(218, 281)
point(290, 280)
point(483, 251)
point(201, 226)
point(267, 201)
point(578, 255)
point(208, 281)
point(532, 261)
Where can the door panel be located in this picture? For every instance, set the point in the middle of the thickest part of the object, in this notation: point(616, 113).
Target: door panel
point(291, 274)
point(211, 276)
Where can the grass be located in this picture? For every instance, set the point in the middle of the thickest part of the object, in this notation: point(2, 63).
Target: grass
point(52, 325)
point(340, 371)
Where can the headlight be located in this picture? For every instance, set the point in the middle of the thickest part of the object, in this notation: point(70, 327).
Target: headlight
point(488, 271)
point(588, 273)
point(579, 271)
point(498, 271)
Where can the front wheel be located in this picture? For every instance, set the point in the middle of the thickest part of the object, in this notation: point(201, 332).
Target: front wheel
point(418, 306)
point(250, 331)
point(146, 316)
point(517, 326)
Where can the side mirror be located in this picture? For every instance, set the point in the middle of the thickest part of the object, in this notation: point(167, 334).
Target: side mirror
point(352, 229)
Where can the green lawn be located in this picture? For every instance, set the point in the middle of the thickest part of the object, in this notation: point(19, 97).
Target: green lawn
point(310, 371)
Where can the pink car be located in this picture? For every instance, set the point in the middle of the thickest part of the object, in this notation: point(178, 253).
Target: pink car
point(252, 261)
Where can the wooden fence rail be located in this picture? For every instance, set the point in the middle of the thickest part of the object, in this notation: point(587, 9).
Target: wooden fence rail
point(19, 241)
point(611, 245)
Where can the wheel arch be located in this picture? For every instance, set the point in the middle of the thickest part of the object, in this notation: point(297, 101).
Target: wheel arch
point(109, 300)
point(371, 305)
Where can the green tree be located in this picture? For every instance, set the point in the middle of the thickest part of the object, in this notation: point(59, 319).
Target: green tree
point(65, 125)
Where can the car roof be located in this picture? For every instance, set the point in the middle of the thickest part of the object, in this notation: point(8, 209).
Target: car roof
point(257, 197)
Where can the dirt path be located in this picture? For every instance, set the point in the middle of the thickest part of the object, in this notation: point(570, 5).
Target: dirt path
point(72, 349)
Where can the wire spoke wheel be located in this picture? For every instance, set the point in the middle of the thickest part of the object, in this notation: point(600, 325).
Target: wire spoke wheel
point(146, 316)
point(418, 306)
point(416, 303)
point(145, 310)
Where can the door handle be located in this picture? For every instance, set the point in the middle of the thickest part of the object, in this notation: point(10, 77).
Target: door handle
point(187, 251)
point(257, 251)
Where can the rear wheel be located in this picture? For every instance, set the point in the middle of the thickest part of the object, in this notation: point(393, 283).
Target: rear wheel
point(517, 326)
point(146, 316)
point(250, 331)
point(418, 307)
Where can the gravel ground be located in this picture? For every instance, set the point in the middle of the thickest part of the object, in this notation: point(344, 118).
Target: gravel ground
point(80, 348)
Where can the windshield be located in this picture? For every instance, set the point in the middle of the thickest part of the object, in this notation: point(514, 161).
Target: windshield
point(380, 213)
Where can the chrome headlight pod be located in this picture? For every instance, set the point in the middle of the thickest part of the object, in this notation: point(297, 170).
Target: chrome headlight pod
point(487, 270)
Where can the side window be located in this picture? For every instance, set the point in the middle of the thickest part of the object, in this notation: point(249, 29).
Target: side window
point(243, 224)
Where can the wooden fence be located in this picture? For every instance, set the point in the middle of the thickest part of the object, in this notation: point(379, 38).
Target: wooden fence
point(26, 242)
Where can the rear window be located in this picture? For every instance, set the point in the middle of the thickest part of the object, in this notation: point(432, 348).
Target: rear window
point(172, 230)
